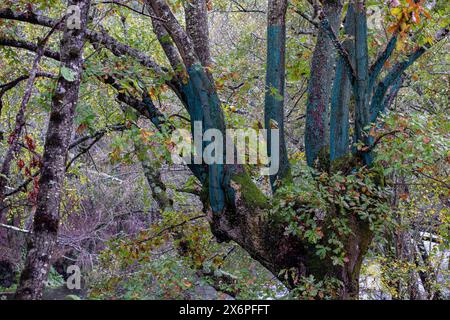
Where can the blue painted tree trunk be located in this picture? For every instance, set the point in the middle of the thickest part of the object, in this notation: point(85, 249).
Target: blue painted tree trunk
point(275, 82)
point(340, 98)
point(362, 116)
point(204, 106)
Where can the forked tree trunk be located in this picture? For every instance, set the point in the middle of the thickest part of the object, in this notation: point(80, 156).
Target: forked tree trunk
point(45, 225)
point(239, 210)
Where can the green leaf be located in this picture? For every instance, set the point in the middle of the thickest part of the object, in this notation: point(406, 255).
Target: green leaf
point(68, 74)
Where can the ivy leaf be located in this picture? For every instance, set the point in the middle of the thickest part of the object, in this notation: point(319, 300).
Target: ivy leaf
point(68, 74)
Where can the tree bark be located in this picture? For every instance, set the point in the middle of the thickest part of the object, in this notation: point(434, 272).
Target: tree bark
point(275, 82)
point(320, 84)
point(197, 28)
point(45, 224)
point(238, 208)
point(342, 91)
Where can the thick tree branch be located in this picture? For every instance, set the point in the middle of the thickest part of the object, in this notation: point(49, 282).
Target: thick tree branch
point(377, 66)
point(196, 16)
point(64, 101)
point(396, 72)
point(325, 24)
point(28, 46)
point(99, 38)
point(176, 31)
point(166, 43)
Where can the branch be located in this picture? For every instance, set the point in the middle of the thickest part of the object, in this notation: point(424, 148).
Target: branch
point(99, 133)
point(98, 38)
point(13, 83)
point(377, 66)
point(169, 228)
point(325, 25)
point(145, 106)
point(393, 91)
point(306, 17)
point(83, 151)
point(28, 46)
point(130, 8)
point(396, 71)
point(379, 138)
point(165, 41)
point(6, 226)
point(176, 31)
point(196, 17)
point(10, 85)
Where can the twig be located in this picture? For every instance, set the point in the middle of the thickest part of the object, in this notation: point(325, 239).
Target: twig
point(6, 226)
point(130, 8)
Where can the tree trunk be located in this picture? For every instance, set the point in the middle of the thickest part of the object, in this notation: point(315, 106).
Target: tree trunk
point(275, 82)
point(45, 225)
point(319, 87)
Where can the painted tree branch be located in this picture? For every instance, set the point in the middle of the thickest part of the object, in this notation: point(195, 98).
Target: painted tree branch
point(275, 83)
point(396, 72)
point(342, 91)
point(377, 66)
point(362, 114)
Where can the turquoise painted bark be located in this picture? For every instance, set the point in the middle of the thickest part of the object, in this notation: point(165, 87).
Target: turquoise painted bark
point(362, 116)
point(204, 105)
point(340, 98)
point(376, 105)
point(376, 68)
point(274, 98)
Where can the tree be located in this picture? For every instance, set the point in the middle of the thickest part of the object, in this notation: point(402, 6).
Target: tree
point(45, 224)
point(237, 209)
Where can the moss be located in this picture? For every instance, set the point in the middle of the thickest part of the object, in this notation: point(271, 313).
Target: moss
point(251, 195)
point(343, 164)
